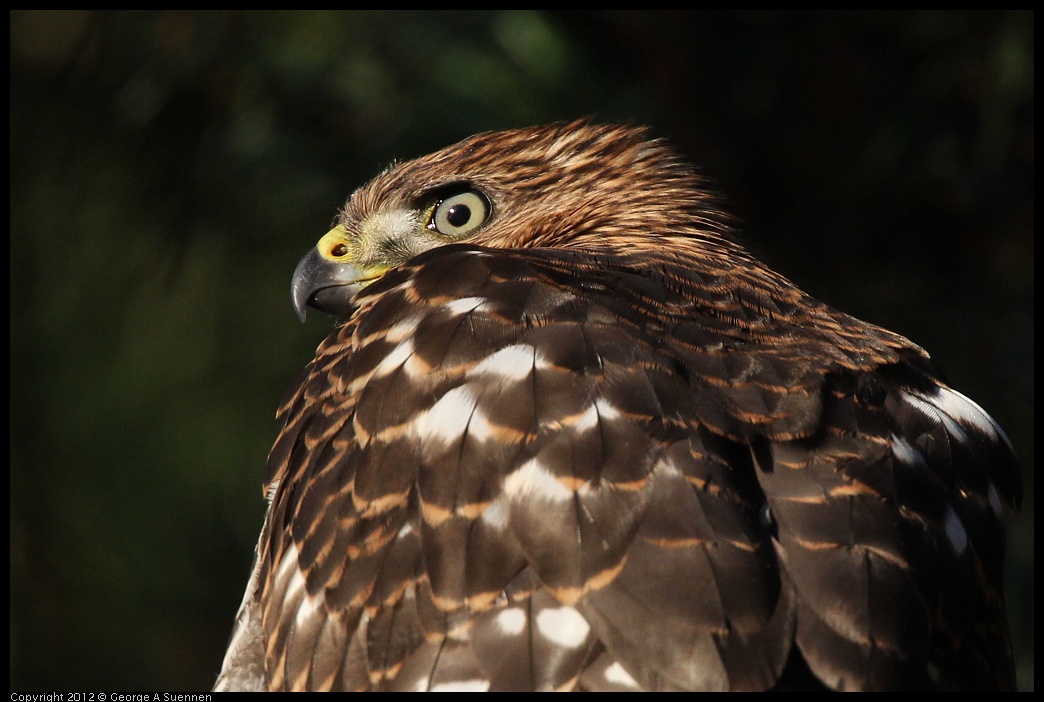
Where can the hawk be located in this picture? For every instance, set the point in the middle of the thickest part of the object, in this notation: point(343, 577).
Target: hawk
point(573, 436)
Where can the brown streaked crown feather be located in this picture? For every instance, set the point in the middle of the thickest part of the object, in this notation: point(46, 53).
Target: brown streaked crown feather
point(595, 444)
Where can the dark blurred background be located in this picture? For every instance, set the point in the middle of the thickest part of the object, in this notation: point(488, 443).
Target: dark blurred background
point(168, 169)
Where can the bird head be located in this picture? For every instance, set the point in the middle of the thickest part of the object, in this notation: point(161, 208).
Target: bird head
point(575, 185)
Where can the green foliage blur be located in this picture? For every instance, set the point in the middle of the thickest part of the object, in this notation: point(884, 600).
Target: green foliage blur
point(169, 168)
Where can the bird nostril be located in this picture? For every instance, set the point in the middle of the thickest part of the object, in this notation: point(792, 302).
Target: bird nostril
point(339, 250)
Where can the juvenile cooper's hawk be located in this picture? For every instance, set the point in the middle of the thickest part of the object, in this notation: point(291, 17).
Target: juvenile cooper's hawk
point(573, 436)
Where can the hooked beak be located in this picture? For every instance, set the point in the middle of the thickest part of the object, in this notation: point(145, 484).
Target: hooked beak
point(325, 283)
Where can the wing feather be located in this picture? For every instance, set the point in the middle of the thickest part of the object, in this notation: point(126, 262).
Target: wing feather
point(541, 469)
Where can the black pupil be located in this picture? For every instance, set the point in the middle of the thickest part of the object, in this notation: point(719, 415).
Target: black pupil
point(458, 215)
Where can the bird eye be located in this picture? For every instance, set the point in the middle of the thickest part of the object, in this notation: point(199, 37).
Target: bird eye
point(460, 214)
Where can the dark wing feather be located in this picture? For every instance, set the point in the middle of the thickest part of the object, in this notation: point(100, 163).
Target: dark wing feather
point(541, 469)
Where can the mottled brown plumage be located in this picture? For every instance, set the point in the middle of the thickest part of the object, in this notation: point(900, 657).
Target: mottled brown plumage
point(572, 435)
